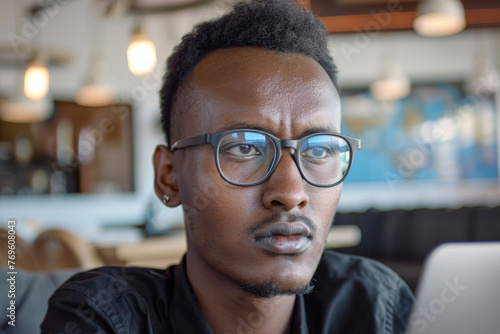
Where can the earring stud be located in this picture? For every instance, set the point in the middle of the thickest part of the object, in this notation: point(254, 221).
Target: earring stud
point(165, 199)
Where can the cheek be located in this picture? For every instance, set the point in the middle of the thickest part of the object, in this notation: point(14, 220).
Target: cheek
point(334, 198)
point(324, 204)
point(197, 179)
point(212, 207)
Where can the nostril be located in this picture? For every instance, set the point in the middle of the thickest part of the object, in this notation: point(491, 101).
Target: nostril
point(276, 203)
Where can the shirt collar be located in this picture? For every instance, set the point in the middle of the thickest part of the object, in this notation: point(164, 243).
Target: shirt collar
point(299, 325)
point(185, 313)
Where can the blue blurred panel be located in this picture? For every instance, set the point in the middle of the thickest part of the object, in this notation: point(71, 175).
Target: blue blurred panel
point(436, 133)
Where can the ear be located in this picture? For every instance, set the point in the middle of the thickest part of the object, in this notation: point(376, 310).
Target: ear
point(165, 184)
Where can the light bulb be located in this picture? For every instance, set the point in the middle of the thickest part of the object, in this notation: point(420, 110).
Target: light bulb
point(36, 80)
point(141, 54)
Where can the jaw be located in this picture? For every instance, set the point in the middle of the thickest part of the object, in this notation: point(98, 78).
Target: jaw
point(287, 274)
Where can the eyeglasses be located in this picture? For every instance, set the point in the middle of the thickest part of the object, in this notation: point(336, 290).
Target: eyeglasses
point(249, 157)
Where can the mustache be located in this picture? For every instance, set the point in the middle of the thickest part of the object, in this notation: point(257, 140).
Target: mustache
point(282, 216)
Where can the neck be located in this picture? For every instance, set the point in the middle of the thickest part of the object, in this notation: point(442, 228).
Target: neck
point(228, 309)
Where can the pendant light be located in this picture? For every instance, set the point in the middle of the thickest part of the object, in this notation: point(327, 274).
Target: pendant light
point(18, 108)
point(141, 53)
point(36, 80)
point(437, 18)
point(94, 90)
point(29, 102)
point(392, 84)
point(36, 77)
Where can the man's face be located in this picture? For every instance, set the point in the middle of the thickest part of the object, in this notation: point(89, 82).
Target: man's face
point(288, 95)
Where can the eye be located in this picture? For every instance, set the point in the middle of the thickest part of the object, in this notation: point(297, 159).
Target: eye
point(243, 150)
point(317, 152)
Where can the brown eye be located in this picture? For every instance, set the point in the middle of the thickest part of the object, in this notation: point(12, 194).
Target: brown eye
point(243, 150)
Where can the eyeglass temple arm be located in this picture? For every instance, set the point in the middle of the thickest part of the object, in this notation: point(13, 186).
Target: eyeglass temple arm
point(354, 142)
point(198, 140)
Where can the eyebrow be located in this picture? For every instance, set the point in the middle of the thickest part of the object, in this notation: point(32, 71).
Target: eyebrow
point(243, 125)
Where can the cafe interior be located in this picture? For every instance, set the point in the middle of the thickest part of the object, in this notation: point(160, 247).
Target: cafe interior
point(80, 120)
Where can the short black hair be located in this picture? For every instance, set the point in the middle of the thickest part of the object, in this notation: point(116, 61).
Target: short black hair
point(279, 25)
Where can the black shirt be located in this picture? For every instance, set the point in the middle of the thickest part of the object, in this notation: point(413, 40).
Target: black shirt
point(351, 295)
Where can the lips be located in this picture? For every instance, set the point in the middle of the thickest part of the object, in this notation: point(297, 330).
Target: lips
point(284, 238)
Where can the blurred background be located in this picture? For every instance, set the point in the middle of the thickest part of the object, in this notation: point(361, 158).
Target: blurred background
point(79, 121)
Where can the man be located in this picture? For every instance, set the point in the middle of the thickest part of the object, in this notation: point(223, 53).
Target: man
point(251, 108)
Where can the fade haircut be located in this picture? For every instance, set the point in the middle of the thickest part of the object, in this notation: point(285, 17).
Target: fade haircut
point(279, 25)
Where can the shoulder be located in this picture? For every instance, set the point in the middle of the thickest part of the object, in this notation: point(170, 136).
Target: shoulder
point(111, 300)
point(364, 276)
point(348, 288)
point(114, 281)
point(338, 267)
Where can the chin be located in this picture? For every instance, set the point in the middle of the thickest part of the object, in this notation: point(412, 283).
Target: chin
point(293, 271)
point(273, 289)
point(291, 280)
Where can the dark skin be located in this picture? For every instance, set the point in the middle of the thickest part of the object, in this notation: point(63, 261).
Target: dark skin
point(289, 95)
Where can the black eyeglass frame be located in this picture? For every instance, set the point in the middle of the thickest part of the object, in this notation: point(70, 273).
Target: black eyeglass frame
point(215, 139)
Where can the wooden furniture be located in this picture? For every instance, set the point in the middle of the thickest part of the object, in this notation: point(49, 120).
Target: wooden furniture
point(56, 249)
point(152, 252)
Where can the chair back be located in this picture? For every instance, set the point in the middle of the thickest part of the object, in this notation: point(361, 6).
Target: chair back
point(56, 249)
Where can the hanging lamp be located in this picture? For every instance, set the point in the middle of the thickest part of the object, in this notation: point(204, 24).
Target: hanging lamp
point(94, 90)
point(18, 108)
point(36, 80)
point(392, 84)
point(437, 18)
point(141, 53)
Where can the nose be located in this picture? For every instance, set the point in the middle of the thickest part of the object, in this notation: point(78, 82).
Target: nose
point(285, 188)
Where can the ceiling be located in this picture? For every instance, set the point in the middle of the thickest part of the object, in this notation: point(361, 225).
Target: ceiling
point(337, 15)
point(356, 15)
point(149, 6)
point(58, 56)
point(123, 7)
point(161, 3)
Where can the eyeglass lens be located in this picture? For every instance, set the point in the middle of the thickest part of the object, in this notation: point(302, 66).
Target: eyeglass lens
point(246, 158)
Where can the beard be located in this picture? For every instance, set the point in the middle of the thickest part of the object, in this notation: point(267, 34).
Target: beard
point(272, 289)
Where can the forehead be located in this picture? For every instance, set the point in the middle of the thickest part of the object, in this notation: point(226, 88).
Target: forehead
point(285, 93)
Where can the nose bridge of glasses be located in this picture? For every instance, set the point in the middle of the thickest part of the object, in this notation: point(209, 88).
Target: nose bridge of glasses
point(289, 143)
